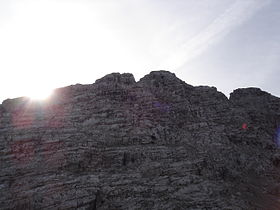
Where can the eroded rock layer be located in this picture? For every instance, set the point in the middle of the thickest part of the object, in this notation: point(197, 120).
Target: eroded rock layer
point(154, 144)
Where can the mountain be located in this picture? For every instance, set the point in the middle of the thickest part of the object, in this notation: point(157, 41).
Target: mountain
point(158, 143)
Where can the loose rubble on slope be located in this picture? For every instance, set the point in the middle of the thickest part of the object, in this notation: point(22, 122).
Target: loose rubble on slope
point(154, 144)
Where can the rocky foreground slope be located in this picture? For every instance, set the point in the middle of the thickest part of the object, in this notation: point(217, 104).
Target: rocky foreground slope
point(154, 144)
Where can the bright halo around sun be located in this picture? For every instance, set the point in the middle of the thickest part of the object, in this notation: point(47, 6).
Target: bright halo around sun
point(40, 94)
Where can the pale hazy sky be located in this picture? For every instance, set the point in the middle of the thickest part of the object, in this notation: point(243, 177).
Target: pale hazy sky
point(45, 44)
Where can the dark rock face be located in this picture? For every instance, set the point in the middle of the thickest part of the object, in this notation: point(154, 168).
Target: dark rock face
point(154, 144)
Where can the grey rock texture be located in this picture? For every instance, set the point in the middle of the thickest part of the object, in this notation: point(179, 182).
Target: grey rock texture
point(154, 144)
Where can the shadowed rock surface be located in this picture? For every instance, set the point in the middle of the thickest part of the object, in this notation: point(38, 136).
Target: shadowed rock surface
point(154, 144)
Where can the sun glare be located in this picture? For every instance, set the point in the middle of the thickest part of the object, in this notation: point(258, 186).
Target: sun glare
point(39, 94)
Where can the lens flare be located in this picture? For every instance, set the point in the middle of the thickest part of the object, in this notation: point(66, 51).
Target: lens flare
point(277, 136)
point(244, 126)
point(162, 106)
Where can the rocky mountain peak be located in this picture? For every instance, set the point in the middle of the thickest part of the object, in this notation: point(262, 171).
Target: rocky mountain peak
point(154, 144)
point(243, 93)
point(253, 98)
point(162, 77)
point(125, 79)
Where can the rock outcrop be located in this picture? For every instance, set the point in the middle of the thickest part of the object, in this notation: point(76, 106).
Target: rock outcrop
point(154, 144)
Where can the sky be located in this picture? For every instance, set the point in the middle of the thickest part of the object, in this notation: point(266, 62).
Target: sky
point(229, 44)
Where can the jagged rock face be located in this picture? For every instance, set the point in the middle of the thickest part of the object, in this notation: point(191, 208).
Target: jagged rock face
point(154, 144)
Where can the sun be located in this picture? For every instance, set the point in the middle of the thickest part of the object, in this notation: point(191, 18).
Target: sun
point(40, 94)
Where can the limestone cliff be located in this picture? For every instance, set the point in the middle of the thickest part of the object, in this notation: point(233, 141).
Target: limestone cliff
point(154, 144)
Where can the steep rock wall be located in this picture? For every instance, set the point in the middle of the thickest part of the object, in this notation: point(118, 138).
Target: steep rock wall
point(154, 144)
